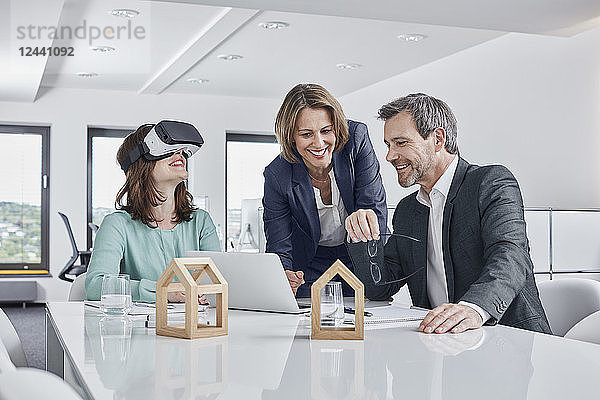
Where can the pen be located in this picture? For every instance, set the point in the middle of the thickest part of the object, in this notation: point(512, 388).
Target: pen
point(351, 311)
point(140, 304)
point(151, 305)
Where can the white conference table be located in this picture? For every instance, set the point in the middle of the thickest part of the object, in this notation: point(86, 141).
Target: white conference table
point(270, 356)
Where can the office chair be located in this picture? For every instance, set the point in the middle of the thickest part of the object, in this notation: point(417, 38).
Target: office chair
point(33, 383)
point(568, 301)
point(70, 268)
point(586, 330)
point(93, 227)
point(6, 364)
point(77, 291)
point(11, 341)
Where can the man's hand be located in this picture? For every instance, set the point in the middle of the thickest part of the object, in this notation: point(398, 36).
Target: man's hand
point(362, 225)
point(455, 318)
point(179, 297)
point(296, 278)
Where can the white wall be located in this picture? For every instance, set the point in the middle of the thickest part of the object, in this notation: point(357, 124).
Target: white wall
point(70, 112)
point(529, 102)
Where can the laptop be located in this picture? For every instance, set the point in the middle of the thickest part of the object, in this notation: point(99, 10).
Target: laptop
point(256, 281)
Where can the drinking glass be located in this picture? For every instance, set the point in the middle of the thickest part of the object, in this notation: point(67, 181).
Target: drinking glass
point(116, 294)
point(332, 304)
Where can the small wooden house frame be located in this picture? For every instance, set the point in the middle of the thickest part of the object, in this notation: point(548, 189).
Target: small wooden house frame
point(344, 333)
point(190, 272)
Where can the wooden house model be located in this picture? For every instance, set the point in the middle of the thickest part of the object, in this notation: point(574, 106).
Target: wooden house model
point(189, 272)
point(345, 333)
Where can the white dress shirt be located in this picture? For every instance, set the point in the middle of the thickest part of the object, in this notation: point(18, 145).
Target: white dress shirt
point(437, 287)
point(332, 216)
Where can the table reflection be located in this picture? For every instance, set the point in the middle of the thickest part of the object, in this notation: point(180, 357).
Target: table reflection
point(135, 364)
point(196, 369)
point(337, 369)
point(402, 363)
point(115, 339)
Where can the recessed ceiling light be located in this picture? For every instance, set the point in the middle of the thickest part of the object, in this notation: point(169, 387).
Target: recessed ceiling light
point(230, 57)
point(411, 37)
point(197, 80)
point(125, 13)
point(272, 25)
point(86, 74)
point(102, 49)
point(348, 66)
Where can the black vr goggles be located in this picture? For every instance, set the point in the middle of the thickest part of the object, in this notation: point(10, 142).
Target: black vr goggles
point(163, 140)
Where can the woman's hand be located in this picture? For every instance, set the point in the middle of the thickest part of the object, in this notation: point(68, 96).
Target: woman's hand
point(296, 278)
point(179, 297)
point(362, 225)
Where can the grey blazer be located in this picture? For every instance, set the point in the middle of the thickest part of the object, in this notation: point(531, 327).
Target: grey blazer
point(485, 247)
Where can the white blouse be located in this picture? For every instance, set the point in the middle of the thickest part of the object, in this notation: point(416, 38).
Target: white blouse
point(331, 217)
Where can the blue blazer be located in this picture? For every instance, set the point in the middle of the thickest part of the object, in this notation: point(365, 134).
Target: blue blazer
point(292, 226)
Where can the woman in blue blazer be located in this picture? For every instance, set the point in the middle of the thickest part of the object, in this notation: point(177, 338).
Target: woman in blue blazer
point(327, 170)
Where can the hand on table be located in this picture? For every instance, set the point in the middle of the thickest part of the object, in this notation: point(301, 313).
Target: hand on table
point(362, 225)
point(296, 278)
point(455, 318)
point(179, 297)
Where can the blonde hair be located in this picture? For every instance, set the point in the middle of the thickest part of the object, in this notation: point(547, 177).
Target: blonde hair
point(312, 96)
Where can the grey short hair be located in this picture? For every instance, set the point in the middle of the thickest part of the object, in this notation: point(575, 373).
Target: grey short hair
point(428, 113)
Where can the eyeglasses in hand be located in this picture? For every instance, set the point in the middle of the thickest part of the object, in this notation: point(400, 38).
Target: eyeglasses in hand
point(372, 251)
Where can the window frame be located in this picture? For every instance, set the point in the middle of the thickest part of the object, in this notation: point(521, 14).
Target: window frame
point(44, 264)
point(243, 137)
point(93, 132)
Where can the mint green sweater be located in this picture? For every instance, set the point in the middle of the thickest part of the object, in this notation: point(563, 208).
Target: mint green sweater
point(123, 245)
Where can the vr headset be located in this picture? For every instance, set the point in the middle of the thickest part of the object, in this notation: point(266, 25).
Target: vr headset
point(163, 140)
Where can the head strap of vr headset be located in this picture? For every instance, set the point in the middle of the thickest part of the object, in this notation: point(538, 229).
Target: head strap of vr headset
point(133, 156)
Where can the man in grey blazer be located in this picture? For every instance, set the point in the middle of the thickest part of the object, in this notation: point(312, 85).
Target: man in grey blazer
point(471, 263)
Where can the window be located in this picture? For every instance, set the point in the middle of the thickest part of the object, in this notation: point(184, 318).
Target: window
point(247, 157)
point(24, 193)
point(105, 176)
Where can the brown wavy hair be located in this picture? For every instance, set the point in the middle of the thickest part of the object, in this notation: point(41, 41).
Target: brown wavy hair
point(299, 97)
point(139, 194)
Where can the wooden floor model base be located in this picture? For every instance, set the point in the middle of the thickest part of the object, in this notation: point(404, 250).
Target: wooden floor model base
point(342, 333)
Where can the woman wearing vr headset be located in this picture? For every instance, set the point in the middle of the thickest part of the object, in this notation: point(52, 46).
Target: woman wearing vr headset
point(327, 170)
point(156, 218)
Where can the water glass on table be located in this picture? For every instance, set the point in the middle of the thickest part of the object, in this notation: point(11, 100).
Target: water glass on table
point(332, 304)
point(116, 294)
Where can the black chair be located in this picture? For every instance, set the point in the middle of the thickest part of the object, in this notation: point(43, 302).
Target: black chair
point(84, 256)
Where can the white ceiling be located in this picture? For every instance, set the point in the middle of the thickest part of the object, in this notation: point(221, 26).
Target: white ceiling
point(545, 17)
point(182, 39)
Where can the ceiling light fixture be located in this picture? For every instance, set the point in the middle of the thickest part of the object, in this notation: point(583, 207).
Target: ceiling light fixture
point(197, 80)
point(273, 25)
point(102, 49)
point(125, 13)
point(230, 57)
point(411, 37)
point(345, 66)
point(87, 74)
